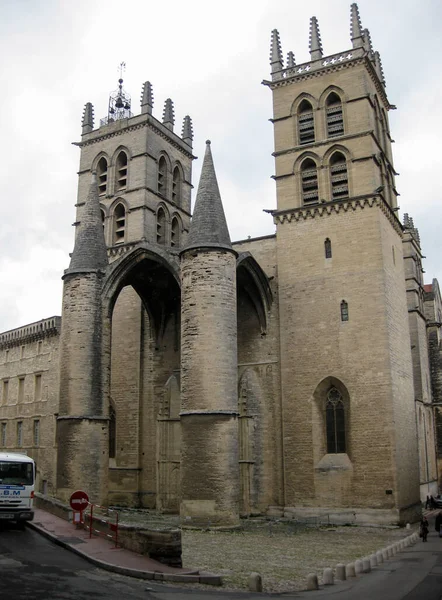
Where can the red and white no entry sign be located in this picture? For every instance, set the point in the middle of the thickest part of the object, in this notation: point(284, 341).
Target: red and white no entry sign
point(79, 501)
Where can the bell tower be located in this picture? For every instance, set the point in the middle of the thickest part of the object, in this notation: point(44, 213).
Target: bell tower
point(347, 388)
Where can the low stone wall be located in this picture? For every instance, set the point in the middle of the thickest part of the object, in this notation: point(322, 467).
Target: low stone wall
point(163, 545)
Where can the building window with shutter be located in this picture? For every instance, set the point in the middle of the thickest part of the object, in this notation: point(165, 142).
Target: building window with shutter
point(335, 120)
point(306, 123)
point(309, 181)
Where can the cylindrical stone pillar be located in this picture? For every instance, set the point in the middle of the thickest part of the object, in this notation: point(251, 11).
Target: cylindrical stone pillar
point(209, 396)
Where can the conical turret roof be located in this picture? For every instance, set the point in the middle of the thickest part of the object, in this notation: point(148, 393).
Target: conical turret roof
point(90, 247)
point(208, 227)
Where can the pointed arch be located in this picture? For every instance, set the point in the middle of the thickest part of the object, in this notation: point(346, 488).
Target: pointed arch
point(337, 162)
point(334, 115)
point(309, 180)
point(163, 174)
point(177, 184)
point(252, 279)
point(101, 167)
point(176, 228)
point(119, 217)
point(306, 123)
point(162, 220)
point(121, 170)
point(332, 401)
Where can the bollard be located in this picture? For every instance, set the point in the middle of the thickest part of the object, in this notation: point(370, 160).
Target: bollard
point(312, 582)
point(358, 567)
point(340, 572)
point(408, 526)
point(385, 555)
point(327, 577)
point(255, 582)
point(389, 551)
point(350, 570)
point(366, 565)
point(379, 557)
point(373, 560)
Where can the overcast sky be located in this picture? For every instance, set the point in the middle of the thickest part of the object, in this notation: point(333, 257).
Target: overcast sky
point(210, 58)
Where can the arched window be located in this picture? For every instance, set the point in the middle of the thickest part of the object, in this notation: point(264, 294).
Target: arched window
point(102, 175)
point(161, 226)
point(309, 181)
point(344, 310)
point(338, 176)
point(335, 422)
point(306, 123)
point(327, 248)
point(335, 121)
point(175, 232)
point(103, 216)
point(119, 224)
point(176, 186)
point(121, 171)
point(112, 433)
point(162, 176)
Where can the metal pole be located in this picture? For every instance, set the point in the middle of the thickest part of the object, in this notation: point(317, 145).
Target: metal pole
point(90, 522)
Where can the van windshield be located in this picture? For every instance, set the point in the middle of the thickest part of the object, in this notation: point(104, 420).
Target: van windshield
point(15, 473)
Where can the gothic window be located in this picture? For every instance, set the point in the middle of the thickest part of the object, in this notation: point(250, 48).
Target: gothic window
point(121, 171)
point(162, 176)
point(335, 422)
point(112, 433)
point(338, 176)
point(306, 123)
point(103, 217)
point(309, 181)
point(175, 232)
point(335, 121)
point(328, 248)
point(119, 224)
point(161, 226)
point(344, 310)
point(176, 186)
point(102, 175)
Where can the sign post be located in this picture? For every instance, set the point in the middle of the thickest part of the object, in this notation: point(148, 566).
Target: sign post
point(79, 501)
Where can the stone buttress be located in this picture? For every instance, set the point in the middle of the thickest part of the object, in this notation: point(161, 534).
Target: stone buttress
point(82, 424)
point(209, 451)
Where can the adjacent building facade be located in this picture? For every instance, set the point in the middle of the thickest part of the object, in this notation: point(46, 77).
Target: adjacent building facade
point(297, 373)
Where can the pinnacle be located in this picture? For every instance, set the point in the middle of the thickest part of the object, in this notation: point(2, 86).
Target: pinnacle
point(356, 27)
point(187, 131)
point(315, 40)
point(147, 98)
point(276, 61)
point(168, 114)
point(88, 118)
point(208, 227)
point(90, 247)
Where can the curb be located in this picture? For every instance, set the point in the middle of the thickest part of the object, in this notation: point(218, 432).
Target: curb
point(191, 577)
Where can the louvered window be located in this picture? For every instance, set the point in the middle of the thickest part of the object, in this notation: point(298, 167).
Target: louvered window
point(162, 176)
point(306, 123)
point(338, 176)
point(119, 224)
point(175, 232)
point(102, 175)
point(309, 182)
point(161, 226)
point(176, 186)
point(121, 171)
point(335, 121)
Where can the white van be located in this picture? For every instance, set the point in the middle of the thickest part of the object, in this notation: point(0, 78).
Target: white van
point(17, 479)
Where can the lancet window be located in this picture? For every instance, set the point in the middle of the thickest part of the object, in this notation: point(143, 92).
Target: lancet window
point(102, 175)
point(344, 310)
point(162, 176)
point(335, 422)
point(338, 176)
point(175, 232)
point(309, 181)
point(306, 123)
point(119, 224)
point(176, 186)
point(121, 171)
point(161, 226)
point(335, 120)
point(327, 248)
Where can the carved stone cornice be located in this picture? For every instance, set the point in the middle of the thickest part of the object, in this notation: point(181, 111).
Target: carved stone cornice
point(325, 209)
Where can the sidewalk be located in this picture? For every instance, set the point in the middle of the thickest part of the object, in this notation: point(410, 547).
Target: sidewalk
point(102, 553)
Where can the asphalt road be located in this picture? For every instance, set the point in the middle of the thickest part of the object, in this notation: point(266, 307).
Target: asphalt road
point(33, 568)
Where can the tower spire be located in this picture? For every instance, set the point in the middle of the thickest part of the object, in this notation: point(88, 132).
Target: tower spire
point(276, 62)
point(147, 98)
point(315, 40)
point(168, 114)
point(208, 227)
point(88, 118)
point(356, 27)
point(187, 131)
point(378, 67)
point(90, 247)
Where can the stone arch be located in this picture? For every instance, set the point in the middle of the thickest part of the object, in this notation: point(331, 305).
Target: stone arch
point(297, 101)
point(254, 282)
point(319, 407)
point(328, 90)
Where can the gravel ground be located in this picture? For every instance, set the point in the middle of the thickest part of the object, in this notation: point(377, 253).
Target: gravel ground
point(284, 552)
point(283, 555)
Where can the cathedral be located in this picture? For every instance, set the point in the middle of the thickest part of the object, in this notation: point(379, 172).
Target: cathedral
point(294, 374)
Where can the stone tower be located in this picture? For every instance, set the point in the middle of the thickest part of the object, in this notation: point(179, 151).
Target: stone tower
point(346, 371)
point(82, 423)
point(209, 397)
